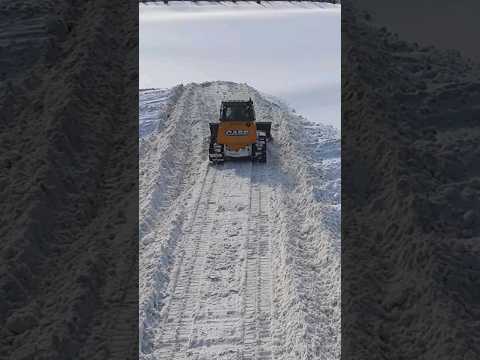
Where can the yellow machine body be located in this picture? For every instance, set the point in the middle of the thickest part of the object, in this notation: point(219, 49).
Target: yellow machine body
point(236, 134)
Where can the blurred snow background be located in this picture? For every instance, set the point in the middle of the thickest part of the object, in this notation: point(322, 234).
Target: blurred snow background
point(288, 50)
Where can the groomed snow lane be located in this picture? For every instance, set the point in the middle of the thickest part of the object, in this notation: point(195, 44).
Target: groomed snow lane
point(221, 302)
point(238, 261)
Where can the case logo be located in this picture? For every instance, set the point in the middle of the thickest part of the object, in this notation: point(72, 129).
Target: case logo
point(236, 132)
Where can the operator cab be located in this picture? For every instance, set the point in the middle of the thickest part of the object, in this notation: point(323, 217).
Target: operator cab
point(237, 111)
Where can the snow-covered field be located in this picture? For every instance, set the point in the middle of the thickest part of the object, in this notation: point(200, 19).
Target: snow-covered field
point(240, 261)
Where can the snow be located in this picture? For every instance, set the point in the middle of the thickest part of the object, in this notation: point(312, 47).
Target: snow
point(284, 49)
point(154, 107)
point(204, 10)
point(239, 261)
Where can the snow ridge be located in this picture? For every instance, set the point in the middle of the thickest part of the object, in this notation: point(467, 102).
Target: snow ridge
point(240, 261)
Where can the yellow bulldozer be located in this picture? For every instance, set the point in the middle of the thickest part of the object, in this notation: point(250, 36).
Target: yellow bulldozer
point(237, 134)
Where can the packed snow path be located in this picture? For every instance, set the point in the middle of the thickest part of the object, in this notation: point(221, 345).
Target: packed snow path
point(221, 287)
point(241, 260)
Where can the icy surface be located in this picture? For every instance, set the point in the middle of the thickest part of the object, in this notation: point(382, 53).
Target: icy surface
point(240, 261)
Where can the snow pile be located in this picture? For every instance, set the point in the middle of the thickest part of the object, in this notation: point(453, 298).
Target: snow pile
point(242, 258)
point(411, 244)
point(153, 105)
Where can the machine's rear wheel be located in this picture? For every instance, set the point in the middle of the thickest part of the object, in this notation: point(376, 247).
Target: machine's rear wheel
point(261, 149)
point(216, 153)
point(263, 155)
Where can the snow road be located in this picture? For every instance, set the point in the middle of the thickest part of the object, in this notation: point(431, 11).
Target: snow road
point(239, 261)
point(226, 252)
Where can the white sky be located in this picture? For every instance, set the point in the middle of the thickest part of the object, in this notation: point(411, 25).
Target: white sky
point(289, 51)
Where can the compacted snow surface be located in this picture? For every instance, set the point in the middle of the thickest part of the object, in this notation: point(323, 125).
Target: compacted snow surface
point(241, 260)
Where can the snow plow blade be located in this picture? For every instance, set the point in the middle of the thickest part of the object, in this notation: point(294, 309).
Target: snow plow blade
point(265, 126)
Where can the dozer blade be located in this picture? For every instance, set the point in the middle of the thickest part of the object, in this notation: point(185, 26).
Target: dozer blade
point(265, 126)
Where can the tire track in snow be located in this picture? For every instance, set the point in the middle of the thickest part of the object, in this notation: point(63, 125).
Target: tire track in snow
point(258, 275)
point(215, 328)
point(184, 278)
point(164, 197)
point(220, 305)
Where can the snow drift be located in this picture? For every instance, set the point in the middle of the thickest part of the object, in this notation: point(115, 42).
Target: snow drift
point(241, 260)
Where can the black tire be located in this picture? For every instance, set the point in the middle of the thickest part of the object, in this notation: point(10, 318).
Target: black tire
point(211, 150)
point(215, 159)
point(263, 156)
